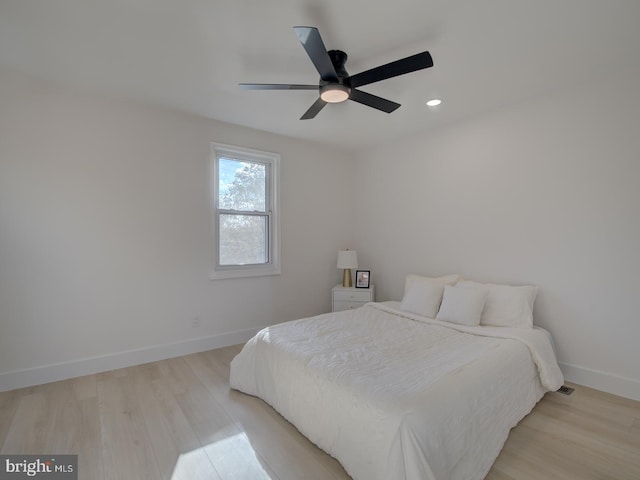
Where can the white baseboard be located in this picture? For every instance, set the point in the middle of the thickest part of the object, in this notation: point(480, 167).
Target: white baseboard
point(86, 366)
point(607, 382)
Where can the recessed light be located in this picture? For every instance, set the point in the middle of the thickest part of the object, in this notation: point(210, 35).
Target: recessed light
point(434, 102)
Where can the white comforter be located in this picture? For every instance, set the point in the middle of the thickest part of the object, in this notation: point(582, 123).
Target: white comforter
point(397, 396)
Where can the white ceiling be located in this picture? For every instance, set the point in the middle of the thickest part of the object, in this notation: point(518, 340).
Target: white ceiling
point(191, 54)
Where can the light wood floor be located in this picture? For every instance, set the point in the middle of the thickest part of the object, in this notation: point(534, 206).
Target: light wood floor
point(177, 419)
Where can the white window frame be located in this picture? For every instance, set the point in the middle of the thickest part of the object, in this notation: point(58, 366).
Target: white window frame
point(273, 241)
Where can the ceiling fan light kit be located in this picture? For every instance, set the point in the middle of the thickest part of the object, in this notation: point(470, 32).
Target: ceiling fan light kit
point(335, 84)
point(333, 93)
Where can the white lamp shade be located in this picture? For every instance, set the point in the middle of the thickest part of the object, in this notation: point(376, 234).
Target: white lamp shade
point(347, 259)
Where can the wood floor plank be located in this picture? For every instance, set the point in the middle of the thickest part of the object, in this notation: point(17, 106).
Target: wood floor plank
point(75, 412)
point(8, 406)
point(85, 387)
point(31, 428)
point(173, 441)
point(126, 445)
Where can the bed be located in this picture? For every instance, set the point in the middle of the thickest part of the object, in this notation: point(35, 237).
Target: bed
point(393, 394)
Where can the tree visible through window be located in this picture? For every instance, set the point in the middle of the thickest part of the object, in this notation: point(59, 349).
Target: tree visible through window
point(244, 226)
point(245, 218)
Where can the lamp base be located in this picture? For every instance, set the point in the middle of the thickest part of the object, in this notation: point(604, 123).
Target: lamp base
point(346, 278)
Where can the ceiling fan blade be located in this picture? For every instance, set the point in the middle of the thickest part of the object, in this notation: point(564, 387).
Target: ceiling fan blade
point(313, 109)
point(314, 46)
point(276, 86)
point(373, 101)
point(393, 69)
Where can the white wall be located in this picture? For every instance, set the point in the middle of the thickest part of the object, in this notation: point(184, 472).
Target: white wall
point(105, 245)
point(545, 192)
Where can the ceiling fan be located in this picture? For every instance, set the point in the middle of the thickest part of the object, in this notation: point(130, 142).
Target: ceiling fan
point(336, 85)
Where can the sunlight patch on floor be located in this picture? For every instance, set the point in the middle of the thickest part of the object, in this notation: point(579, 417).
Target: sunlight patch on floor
point(232, 457)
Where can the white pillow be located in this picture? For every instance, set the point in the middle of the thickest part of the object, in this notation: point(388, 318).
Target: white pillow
point(462, 305)
point(422, 295)
point(506, 305)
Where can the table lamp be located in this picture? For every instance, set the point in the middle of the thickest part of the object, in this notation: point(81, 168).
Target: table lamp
point(347, 259)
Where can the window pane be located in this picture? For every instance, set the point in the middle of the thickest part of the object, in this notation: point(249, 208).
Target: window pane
point(243, 239)
point(242, 185)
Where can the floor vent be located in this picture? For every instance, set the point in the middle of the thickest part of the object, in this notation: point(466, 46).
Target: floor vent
point(565, 390)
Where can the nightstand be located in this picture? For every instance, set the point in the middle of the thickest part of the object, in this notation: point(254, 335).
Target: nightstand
point(347, 298)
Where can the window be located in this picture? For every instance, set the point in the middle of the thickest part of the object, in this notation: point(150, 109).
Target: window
point(244, 187)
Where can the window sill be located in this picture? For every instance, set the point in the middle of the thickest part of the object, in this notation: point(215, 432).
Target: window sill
point(244, 272)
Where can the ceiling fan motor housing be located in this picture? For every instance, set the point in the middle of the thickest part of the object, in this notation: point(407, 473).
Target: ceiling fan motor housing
point(339, 58)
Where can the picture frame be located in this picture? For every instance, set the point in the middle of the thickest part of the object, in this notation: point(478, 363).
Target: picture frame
point(363, 278)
